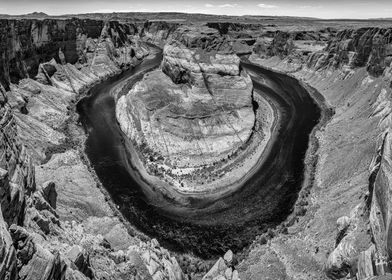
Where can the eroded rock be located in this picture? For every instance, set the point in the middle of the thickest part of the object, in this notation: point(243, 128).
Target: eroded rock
point(193, 114)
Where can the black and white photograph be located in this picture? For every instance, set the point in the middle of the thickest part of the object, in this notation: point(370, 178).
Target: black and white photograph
point(195, 140)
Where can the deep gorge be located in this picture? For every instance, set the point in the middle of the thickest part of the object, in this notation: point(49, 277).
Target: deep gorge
point(309, 99)
point(203, 231)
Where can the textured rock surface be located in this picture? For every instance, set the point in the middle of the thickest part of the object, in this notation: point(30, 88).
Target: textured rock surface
point(78, 196)
point(365, 47)
point(41, 105)
point(63, 228)
point(328, 49)
point(345, 187)
point(8, 264)
point(157, 32)
point(17, 174)
point(223, 269)
point(26, 43)
point(380, 205)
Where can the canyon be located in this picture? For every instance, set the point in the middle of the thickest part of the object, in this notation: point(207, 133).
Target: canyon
point(154, 149)
point(200, 225)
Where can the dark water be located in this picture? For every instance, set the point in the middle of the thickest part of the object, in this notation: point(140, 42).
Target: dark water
point(264, 201)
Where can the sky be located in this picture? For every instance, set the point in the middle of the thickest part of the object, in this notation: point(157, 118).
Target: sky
point(359, 9)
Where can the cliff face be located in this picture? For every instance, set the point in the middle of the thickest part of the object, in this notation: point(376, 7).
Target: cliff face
point(231, 28)
point(329, 49)
point(380, 213)
point(17, 179)
point(41, 102)
point(365, 47)
point(351, 69)
point(240, 37)
point(27, 43)
point(55, 223)
point(296, 46)
point(157, 32)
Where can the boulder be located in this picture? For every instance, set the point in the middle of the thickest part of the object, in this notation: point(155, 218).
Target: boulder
point(80, 258)
point(49, 193)
point(8, 260)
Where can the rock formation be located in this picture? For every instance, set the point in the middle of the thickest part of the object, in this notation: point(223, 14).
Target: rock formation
point(346, 49)
point(41, 104)
point(192, 114)
point(351, 69)
point(223, 269)
point(157, 32)
point(51, 226)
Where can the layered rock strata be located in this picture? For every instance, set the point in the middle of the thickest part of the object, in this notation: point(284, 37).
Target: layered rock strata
point(41, 104)
point(157, 32)
point(349, 188)
point(194, 115)
point(26, 43)
point(17, 179)
point(330, 49)
point(55, 223)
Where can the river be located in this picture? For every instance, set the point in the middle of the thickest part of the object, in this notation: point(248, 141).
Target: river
point(264, 201)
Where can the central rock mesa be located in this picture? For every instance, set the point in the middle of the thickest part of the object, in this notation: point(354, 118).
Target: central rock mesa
point(190, 120)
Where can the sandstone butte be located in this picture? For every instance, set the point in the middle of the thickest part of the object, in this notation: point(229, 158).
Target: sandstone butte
point(56, 224)
point(192, 119)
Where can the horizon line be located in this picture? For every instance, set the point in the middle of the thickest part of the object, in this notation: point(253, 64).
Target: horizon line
point(205, 14)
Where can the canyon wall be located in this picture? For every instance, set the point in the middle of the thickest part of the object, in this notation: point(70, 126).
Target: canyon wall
point(27, 43)
point(17, 178)
point(42, 98)
point(344, 231)
point(328, 48)
point(157, 32)
point(55, 222)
